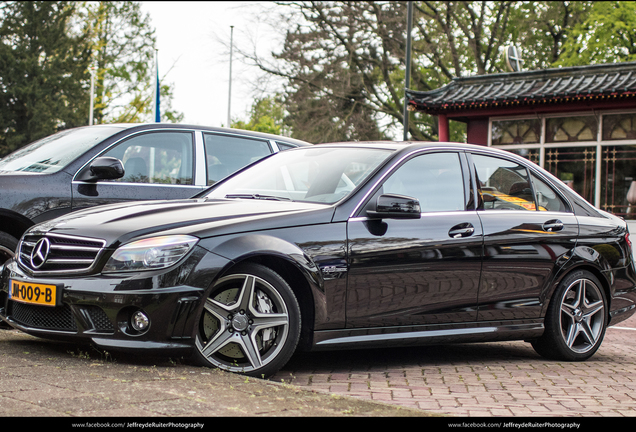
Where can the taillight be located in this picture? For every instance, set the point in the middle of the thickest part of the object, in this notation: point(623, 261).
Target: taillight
point(629, 242)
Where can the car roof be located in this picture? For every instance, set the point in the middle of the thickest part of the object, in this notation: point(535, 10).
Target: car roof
point(144, 126)
point(416, 145)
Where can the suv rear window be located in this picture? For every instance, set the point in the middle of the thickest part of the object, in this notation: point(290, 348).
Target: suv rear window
point(54, 152)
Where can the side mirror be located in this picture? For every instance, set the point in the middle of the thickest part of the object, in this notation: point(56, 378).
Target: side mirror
point(103, 168)
point(390, 206)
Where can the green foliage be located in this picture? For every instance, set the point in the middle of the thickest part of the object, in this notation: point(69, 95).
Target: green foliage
point(46, 49)
point(606, 35)
point(344, 61)
point(123, 49)
point(43, 72)
point(266, 115)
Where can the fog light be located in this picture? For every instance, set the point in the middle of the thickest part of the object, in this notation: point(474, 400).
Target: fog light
point(139, 321)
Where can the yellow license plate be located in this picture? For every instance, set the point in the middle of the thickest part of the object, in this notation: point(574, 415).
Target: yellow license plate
point(33, 293)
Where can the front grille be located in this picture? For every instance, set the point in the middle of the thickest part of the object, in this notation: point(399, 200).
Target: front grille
point(57, 253)
point(43, 317)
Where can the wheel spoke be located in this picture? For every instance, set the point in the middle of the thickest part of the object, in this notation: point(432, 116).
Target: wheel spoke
point(580, 293)
point(219, 310)
point(592, 309)
point(568, 310)
point(264, 321)
point(587, 332)
point(220, 340)
point(573, 331)
point(246, 296)
point(250, 349)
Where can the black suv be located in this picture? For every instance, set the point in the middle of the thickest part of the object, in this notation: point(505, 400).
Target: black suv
point(93, 165)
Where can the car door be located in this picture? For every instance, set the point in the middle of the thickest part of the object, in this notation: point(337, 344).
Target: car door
point(157, 165)
point(405, 272)
point(528, 227)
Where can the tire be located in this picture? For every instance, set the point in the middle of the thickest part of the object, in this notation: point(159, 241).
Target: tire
point(8, 245)
point(576, 319)
point(250, 323)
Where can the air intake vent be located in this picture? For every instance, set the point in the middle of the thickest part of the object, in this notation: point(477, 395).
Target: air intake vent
point(57, 253)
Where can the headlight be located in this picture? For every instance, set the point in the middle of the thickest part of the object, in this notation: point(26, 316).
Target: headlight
point(150, 254)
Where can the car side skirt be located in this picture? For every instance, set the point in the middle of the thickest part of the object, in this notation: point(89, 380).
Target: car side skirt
point(427, 335)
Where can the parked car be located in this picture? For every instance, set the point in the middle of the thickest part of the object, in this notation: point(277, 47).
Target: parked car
point(329, 247)
point(88, 166)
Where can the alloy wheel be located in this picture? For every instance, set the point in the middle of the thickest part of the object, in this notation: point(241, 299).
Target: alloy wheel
point(582, 315)
point(246, 323)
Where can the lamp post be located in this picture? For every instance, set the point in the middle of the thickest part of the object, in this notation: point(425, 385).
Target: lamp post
point(409, 27)
point(229, 94)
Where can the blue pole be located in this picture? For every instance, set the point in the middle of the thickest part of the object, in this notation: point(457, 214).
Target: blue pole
point(157, 91)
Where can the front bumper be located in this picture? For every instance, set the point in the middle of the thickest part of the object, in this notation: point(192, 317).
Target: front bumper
point(97, 309)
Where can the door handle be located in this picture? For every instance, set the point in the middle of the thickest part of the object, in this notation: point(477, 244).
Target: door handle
point(553, 225)
point(462, 230)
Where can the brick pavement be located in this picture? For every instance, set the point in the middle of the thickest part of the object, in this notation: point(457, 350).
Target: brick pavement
point(490, 379)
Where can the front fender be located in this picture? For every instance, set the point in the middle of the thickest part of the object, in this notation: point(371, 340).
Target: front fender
point(241, 247)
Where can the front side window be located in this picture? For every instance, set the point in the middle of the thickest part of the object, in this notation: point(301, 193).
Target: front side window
point(505, 185)
point(156, 158)
point(435, 180)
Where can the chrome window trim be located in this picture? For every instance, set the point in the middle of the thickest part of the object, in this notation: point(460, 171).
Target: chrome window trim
point(78, 182)
point(200, 165)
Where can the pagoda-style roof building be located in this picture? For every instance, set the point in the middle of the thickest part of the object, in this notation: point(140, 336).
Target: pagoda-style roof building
point(577, 122)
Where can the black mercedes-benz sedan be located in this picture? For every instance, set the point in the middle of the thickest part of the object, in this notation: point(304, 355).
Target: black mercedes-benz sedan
point(103, 164)
point(333, 246)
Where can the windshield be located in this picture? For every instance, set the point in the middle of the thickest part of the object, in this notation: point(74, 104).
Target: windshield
point(310, 174)
point(54, 152)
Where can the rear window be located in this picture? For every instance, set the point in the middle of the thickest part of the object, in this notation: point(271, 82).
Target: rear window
point(54, 152)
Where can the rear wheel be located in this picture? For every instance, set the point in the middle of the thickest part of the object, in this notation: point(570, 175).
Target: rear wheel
point(250, 323)
point(576, 319)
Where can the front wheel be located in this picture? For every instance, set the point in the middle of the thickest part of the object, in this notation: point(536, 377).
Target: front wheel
point(8, 245)
point(250, 323)
point(576, 319)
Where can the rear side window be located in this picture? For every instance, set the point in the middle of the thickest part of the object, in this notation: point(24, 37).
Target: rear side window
point(504, 184)
point(226, 154)
point(547, 198)
point(284, 146)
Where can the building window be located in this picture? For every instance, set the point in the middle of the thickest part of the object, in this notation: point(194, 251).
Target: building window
point(618, 171)
point(516, 132)
point(571, 129)
point(619, 127)
point(574, 166)
point(603, 173)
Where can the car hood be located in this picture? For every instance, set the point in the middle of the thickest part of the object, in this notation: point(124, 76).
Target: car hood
point(120, 223)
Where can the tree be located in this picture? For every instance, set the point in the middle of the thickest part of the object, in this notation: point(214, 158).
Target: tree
point(266, 115)
point(606, 35)
point(43, 72)
point(123, 50)
point(344, 61)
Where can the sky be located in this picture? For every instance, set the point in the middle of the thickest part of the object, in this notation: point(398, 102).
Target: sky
point(193, 58)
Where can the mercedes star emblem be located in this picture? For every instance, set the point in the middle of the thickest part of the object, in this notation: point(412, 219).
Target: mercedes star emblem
point(40, 253)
